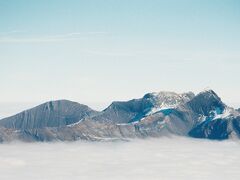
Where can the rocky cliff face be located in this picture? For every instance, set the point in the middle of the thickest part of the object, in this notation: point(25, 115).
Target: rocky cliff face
point(153, 115)
point(215, 118)
point(218, 125)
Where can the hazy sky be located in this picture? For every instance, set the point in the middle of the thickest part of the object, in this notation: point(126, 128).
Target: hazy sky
point(99, 51)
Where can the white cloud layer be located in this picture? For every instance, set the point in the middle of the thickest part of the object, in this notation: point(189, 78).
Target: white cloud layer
point(164, 158)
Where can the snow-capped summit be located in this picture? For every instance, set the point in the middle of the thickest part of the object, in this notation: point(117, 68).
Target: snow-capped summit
point(167, 100)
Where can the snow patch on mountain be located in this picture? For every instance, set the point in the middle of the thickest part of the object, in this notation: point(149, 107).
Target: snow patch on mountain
point(225, 114)
point(218, 114)
point(75, 124)
point(167, 100)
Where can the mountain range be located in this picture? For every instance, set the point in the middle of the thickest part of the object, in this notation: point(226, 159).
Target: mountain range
point(154, 115)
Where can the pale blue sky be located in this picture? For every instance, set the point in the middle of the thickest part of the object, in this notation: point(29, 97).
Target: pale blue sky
point(103, 50)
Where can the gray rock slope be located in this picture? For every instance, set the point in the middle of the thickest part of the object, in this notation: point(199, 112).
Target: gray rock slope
point(153, 115)
point(51, 114)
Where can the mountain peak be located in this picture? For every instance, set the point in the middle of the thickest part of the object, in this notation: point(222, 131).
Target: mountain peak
point(209, 92)
point(206, 101)
point(169, 96)
point(50, 114)
point(209, 95)
point(166, 100)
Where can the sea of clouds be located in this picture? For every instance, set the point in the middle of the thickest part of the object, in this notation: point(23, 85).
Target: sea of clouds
point(163, 158)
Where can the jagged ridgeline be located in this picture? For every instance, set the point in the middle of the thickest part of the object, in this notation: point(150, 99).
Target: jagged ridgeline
point(154, 115)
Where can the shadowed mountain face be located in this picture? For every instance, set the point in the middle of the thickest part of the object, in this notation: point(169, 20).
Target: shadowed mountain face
point(154, 115)
point(224, 126)
point(217, 121)
point(206, 102)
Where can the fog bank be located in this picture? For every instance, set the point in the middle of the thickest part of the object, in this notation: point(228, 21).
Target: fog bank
point(164, 158)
